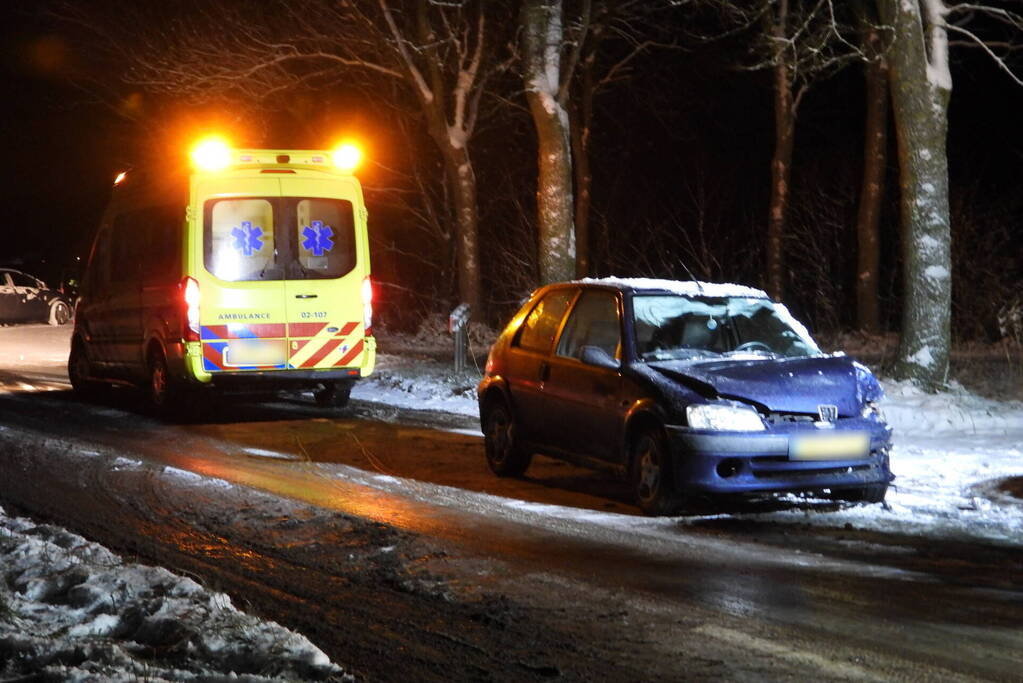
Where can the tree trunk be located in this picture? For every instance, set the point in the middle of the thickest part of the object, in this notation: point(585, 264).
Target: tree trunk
point(920, 88)
point(462, 177)
point(781, 162)
point(581, 127)
point(543, 37)
point(580, 131)
point(875, 157)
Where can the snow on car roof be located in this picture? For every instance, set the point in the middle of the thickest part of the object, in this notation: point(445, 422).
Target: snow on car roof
point(685, 287)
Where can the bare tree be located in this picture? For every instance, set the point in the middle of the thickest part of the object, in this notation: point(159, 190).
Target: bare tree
point(623, 29)
point(800, 42)
point(875, 156)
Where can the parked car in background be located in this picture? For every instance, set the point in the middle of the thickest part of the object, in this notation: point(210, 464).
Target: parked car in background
point(25, 299)
point(688, 389)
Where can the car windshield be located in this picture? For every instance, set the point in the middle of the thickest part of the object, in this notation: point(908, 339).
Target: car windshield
point(672, 327)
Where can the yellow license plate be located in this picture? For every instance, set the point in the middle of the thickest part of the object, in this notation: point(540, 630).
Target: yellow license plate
point(246, 352)
point(844, 446)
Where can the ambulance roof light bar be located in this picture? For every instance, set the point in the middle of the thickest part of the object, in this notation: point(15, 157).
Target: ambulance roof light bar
point(213, 154)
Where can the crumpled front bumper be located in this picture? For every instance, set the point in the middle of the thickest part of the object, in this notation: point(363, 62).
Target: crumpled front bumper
point(761, 462)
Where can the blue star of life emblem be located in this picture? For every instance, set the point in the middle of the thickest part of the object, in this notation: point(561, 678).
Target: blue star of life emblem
point(317, 238)
point(247, 239)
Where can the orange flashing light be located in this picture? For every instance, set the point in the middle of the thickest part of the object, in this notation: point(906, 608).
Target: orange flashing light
point(347, 157)
point(211, 154)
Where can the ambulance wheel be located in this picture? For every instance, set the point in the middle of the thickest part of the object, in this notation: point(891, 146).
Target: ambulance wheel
point(333, 394)
point(161, 393)
point(79, 370)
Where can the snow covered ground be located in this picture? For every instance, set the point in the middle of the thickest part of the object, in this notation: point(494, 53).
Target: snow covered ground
point(71, 610)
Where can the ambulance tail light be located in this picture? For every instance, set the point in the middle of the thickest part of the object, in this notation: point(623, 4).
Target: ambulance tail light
point(367, 306)
point(190, 298)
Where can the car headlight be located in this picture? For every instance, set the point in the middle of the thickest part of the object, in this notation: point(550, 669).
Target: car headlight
point(724, 418)
point(872, 410)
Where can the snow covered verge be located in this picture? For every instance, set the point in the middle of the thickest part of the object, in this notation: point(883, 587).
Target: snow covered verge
point(71, 610)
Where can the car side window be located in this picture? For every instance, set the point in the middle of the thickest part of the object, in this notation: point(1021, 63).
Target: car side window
point(22, 280)
point(538, 330)
point(593, 322)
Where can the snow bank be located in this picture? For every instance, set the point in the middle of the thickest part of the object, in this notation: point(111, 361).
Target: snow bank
point(71, 610)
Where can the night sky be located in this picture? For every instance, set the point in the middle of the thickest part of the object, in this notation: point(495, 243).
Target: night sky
point(682, 116)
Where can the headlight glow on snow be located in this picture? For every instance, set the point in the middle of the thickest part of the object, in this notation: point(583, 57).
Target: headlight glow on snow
point(724, 418)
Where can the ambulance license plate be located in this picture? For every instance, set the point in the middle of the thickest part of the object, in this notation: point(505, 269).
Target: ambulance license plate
point(840, 446)
point(248, 352)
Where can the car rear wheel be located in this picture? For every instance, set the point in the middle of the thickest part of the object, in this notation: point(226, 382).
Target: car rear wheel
point(333, 394)
point(60, 313)
point(652, 481)
point(505, 455)
point(874, 493)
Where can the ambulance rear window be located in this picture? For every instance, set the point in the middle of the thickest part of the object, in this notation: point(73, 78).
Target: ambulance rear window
point(239, 239)
point(278, 238)
point(325, 237)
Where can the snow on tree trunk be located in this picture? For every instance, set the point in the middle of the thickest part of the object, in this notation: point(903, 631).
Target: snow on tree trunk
point(875, 147)
point(920, 87)
point(781, 162)
point(463, 185)
point(543, 38)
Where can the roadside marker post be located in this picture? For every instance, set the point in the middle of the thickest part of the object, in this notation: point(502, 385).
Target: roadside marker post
point(458, 324)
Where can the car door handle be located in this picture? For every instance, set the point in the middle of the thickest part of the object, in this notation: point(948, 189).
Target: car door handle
point(305, 296)
point(545, 371)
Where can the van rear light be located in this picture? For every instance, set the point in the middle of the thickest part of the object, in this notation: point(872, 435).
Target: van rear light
point(367, 306)
point(190, 296)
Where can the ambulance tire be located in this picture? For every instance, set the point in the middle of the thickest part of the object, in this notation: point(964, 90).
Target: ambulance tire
point(162, 396)
point(333, 394)
point(79, 370)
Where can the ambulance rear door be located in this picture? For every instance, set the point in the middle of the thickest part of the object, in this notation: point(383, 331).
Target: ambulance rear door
point(241, 275)
point(327, 264)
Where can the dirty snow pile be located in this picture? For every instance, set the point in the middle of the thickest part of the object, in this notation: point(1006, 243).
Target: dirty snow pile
point(71, 610)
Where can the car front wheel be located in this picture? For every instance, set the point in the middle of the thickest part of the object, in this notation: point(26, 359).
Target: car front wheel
point(651, 474)
point(60, 313)
point(505, 455)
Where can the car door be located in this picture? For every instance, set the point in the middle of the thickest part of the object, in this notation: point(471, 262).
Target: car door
point(582, 402)
point(528, 362)
point(28, 300)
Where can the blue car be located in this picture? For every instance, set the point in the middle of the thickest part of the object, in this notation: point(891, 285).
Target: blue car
point(689, 389)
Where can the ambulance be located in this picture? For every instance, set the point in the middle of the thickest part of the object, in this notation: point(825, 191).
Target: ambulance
point(247, 272)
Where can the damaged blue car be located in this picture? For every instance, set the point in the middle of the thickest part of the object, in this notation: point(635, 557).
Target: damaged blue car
point(690, 390)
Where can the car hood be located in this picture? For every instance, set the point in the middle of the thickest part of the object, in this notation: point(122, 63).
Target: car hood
point(789, 385)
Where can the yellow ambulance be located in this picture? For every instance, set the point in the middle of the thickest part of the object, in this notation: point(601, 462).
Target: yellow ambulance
point(248, 272)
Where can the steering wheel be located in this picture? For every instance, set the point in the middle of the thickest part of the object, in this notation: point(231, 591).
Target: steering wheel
point(754, 345)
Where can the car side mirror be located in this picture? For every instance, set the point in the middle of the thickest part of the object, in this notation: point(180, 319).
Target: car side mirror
point(596, 356)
